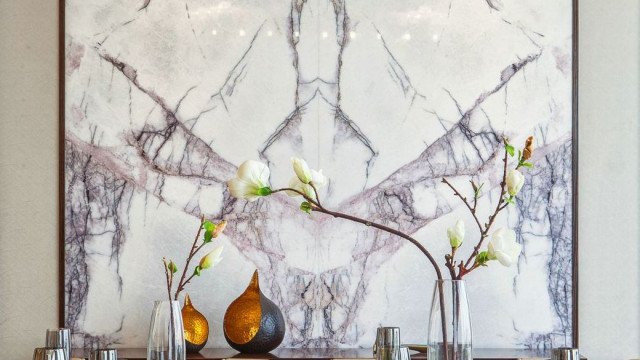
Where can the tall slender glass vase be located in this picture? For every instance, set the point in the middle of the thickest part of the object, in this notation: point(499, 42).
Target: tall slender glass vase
point(166, 334)
point(450, 339)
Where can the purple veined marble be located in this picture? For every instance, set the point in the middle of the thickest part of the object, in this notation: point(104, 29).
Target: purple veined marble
point(164, 99)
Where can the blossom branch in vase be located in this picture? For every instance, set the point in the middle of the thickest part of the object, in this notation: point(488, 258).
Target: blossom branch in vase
point(211, 231)
point(503, 246)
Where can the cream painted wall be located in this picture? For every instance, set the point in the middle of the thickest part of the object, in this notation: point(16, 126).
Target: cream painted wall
point(609, 171)
point(28, 180)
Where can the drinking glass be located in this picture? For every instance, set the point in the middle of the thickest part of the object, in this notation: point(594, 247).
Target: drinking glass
point(48, 354)
point(387, 346)
point(565, 353)
point(59, 338)
point(104, 354)
point(405, 353)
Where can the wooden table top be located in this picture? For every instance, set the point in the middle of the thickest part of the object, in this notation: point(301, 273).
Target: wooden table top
point(324, 354)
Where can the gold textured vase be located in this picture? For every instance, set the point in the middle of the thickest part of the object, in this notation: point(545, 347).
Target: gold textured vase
point(253, 324)
point(196, 327)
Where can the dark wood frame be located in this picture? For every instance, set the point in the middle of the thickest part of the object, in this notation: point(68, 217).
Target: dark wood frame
point(61, 158)
point(574, 174)
point(61, 163)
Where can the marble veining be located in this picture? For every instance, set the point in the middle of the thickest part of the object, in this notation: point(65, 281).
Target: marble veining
point(164, 99)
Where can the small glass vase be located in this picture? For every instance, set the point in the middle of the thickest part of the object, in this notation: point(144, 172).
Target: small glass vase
point(166, 334)
point(450, 337)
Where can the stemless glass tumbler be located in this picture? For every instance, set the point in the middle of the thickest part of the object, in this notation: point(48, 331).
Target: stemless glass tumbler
point(59, 338)
point(48, 354)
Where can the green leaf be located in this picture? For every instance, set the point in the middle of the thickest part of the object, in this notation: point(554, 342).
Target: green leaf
point(519, 155)
point(527, 165)
point(172, 267)
point(197, 270)
point(510, 149)
point(209, 226)
point(478, 191)
point(265, 191)
point(482, 258)
point(306, 207)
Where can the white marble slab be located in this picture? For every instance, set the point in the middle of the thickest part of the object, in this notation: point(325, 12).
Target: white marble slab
point(164, 99)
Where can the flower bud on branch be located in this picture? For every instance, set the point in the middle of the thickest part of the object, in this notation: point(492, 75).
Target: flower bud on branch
point(527, 152)
point(456, 234)
point(301, 169)
point(515, 181)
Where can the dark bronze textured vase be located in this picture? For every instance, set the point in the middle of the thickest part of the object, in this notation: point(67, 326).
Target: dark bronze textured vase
point(253, 324)
point(196, 327)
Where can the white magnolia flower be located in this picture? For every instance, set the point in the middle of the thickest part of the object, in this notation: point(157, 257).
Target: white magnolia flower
point(296, 184)
point(456, 234)
point(503, 247)
point(301, 169)
point(211, 259)
point(515, 180)
point(317, 178)
point(251, 181)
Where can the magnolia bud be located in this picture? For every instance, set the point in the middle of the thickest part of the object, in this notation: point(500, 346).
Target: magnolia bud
point(456, 234)
point(527, 152)
point(219, 228)
point(515, 181)
point(211, 259)
point(302, 170)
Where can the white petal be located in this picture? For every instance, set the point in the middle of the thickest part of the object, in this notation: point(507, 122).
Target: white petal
point(515, 181)
point(254, 172)
point(212, 258)
point(301, 168)
point(240, 188)
point(503, 246)
point(318, 178)
point(503, 258)
point(217, 254)
point(296, 184)
point(515, 250)
point(460, 229)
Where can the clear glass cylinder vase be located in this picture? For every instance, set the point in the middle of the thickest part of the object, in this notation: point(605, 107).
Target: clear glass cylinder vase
point(166, 333)
point(450, 335)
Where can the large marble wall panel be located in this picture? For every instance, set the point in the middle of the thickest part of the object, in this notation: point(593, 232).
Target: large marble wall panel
point(164, 99)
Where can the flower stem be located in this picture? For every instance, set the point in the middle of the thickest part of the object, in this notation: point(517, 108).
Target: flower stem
point(192, 253)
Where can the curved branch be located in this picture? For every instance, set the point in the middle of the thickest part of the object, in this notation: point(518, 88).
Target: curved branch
point(386, 229)
point(192, 252)
point(319, 208)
